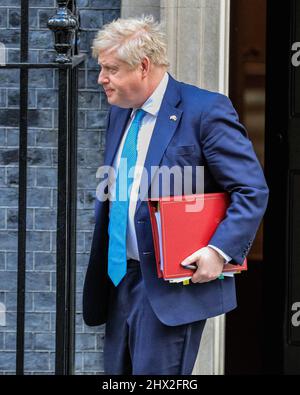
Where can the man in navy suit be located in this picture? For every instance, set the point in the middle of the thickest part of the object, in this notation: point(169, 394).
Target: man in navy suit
point(152, 326)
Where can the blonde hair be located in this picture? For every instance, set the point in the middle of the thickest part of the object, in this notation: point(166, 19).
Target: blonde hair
point(133, 39)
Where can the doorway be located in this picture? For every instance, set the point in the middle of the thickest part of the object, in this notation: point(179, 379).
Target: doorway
point(247, 91)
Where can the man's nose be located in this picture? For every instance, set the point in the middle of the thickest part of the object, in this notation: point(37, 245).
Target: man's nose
point(102, 79)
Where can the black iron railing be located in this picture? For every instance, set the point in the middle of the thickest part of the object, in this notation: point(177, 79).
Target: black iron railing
point(65, 26)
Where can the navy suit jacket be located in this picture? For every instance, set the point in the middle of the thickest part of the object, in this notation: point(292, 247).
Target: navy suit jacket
point(206, 133)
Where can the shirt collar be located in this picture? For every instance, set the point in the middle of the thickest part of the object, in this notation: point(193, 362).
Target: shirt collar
point(153, 103)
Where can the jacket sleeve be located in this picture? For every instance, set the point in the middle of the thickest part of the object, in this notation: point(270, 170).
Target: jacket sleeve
point(232, 161)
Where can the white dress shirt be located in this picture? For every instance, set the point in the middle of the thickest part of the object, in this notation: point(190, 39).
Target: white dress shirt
point(151, 107)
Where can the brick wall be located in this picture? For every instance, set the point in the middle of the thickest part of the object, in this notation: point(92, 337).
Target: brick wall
point(42, 179)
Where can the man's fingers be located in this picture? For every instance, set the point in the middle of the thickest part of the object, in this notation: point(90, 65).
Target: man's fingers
point(202, 277)
point(204, 261)
point(192, 258)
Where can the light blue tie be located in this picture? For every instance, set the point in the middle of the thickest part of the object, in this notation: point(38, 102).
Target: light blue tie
point(117, 229)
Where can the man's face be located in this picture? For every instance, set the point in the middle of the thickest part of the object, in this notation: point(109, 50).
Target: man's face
point(123, 86)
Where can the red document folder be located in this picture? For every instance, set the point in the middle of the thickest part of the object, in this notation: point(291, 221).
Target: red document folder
point(187, 224)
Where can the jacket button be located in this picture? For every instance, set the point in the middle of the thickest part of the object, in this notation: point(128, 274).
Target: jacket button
point(141, 222)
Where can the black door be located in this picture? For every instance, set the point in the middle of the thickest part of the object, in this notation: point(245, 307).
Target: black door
point(281, 277)
point(263, 333)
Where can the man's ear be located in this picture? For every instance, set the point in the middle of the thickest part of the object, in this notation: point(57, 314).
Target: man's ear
point(145, 66)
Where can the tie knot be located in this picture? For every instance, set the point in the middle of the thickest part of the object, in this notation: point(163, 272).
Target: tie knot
point(139, 115)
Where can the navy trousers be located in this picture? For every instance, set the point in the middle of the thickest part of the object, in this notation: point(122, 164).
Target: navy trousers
point(136, 342)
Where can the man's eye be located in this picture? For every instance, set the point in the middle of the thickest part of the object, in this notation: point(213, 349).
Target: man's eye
point(108, 70)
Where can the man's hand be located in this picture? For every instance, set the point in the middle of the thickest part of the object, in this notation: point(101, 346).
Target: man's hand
point(209, 264)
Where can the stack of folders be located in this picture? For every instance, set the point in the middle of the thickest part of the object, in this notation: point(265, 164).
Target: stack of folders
point(182, 225)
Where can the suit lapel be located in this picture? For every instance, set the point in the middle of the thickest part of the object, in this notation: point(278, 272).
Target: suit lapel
point(166, 124)
point(115, 133)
